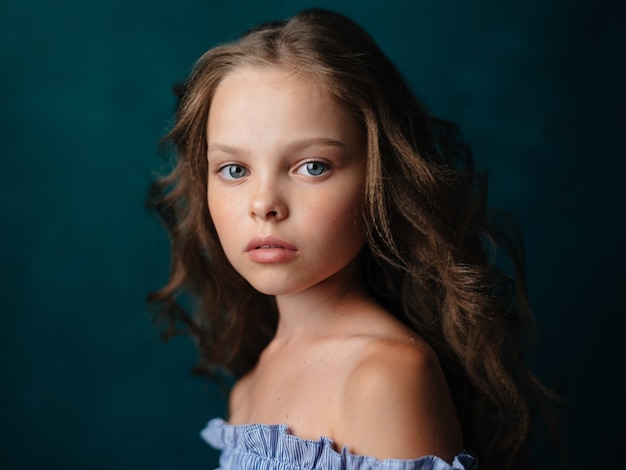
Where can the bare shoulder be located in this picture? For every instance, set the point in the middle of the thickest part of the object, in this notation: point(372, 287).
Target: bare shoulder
point(396, 403)
point(238, 398)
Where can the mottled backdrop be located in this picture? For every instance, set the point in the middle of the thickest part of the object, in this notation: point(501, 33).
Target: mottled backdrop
point(536, 87)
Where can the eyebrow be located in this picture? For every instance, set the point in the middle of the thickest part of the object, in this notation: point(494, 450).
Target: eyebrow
point(292, 146)
point(225, 148)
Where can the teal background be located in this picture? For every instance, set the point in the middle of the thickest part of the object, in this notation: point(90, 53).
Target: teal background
point(536, 87)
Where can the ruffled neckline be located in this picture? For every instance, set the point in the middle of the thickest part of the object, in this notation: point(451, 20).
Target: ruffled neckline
point(275, 442)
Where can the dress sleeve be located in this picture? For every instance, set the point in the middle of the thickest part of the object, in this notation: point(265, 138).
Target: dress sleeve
point(272, 447)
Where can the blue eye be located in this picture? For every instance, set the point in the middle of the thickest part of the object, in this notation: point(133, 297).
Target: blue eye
point(313, 168)
point(233, 172)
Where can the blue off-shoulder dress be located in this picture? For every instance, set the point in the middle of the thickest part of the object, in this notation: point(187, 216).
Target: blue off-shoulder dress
point(272, 447)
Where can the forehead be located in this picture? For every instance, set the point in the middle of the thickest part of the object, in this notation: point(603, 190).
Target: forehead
point(274, 85)
point(278, 76)
point(275, 103)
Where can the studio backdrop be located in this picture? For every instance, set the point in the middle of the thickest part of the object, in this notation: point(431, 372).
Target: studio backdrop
point(85, 94)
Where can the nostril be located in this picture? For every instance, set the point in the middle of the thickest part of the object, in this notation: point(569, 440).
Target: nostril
point(265, 207)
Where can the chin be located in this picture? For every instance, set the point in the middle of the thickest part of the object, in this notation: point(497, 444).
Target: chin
point(263, 288)
point(269, 285)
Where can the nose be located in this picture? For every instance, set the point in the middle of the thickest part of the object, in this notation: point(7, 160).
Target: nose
point(267, 203)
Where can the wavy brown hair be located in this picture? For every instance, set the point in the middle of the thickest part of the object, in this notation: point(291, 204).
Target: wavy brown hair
point(430, 239)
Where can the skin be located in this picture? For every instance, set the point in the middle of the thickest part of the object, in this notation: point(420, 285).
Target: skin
point(263, 138)
point(286, 161)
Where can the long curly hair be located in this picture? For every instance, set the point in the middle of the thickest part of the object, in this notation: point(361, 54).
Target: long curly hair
point(431, 241)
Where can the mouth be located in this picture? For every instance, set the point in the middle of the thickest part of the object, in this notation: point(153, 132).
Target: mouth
point(270, 250)
point(269, 243)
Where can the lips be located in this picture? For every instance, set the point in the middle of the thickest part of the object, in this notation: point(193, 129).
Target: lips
point(270, 250)
point(264, 243)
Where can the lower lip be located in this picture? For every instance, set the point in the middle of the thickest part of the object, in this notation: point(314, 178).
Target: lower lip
point(271, 255)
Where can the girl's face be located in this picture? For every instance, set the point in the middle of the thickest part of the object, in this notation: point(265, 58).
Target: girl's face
point(286, 179)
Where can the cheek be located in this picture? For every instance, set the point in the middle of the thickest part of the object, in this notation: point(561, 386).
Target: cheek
point(221, 213)
point(344, 220)
point(214, 212)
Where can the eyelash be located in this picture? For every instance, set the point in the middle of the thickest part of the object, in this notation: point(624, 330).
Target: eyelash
point(325, 168)
point(228, 176)
point(225, 171)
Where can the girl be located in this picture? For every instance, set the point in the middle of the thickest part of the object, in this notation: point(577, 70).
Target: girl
point(337, 244)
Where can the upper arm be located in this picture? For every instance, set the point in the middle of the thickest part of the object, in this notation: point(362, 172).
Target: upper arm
point(396, 404)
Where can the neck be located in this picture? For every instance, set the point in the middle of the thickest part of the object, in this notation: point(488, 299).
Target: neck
point(322, 308)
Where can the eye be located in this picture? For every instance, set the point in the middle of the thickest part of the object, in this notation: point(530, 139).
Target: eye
point(312, 168)
point(232, 172)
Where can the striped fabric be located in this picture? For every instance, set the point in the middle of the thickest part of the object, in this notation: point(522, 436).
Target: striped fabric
point(271, 447)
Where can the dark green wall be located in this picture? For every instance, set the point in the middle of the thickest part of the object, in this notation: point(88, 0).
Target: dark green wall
point(536, 86)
